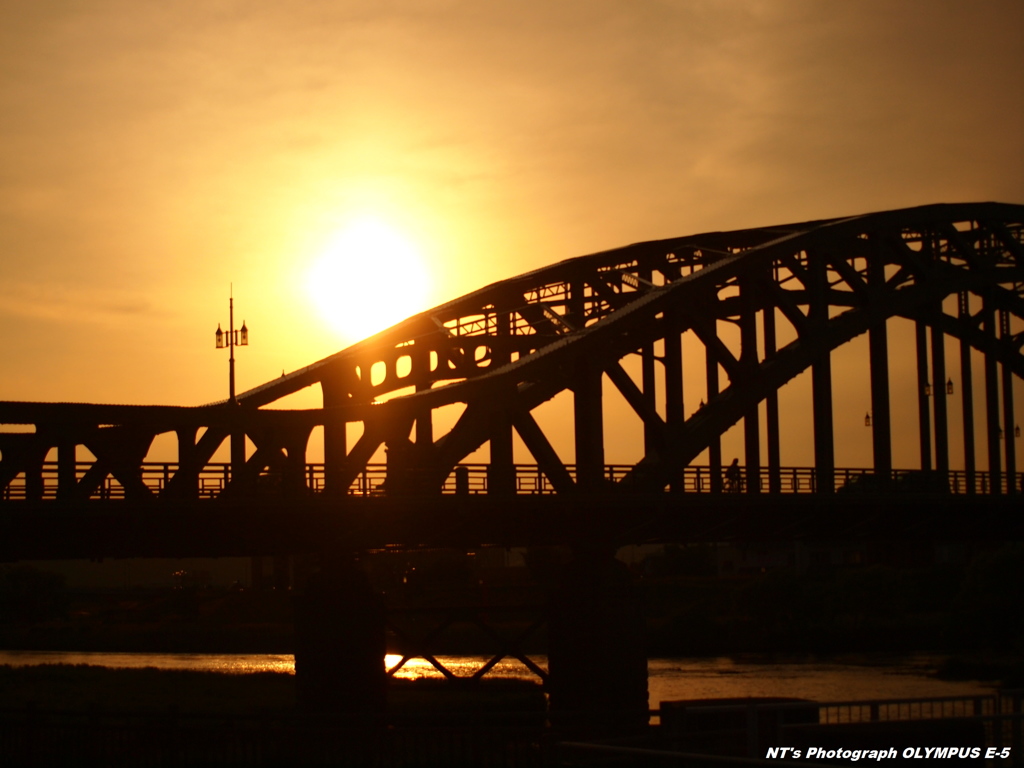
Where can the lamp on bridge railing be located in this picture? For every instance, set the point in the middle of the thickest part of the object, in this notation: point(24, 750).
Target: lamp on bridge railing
point(949, 387)
point(867, 419)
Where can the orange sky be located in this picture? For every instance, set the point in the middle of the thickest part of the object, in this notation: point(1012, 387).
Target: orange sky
point(153, 153)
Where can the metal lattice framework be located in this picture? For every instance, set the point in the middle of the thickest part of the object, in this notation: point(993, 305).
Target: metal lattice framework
point(953, 270)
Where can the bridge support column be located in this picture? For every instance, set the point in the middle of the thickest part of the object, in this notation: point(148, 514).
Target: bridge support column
point(939, 397)
point(1008, 424)
point(588, 417)
point(992, 402)
point(236, 441)
point(188, 472)
point(967, 393)
point(715, 444)
point(674, 411)
point(772, 409)
point(335, 438)
point(881, 422)
point(878, 357)
point(748, 362)
point(501, 472)
point(923, 418)
point(821, 382)
point(67, 460)
point(340, 642)
point(597, 659)
point(824, 446)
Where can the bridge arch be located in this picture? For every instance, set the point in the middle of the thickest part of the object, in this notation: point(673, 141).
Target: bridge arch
point(565, 327)
point(760, 305)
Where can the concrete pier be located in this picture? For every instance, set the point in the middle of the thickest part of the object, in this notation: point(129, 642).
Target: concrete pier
point(340, 642)
point(597, 657)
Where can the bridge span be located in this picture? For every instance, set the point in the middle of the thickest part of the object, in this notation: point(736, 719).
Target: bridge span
point(732, 317)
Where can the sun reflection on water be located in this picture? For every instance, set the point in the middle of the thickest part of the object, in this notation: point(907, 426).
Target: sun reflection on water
point(461, 666)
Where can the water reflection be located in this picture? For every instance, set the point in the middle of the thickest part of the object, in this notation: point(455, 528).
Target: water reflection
point(856, 679)
point(238, 663)
point(668, 680)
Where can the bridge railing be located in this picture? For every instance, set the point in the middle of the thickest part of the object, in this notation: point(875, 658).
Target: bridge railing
point(472, 479)
point(996, 719)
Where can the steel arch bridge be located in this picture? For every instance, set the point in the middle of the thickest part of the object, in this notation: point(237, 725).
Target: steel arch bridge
point(760, 305)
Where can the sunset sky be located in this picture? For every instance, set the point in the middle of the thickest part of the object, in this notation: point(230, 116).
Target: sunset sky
point(153, 153)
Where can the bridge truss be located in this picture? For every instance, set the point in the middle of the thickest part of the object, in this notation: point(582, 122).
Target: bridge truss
point(761, 306)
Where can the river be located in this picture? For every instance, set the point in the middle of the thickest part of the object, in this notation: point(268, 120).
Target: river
point(669, 679)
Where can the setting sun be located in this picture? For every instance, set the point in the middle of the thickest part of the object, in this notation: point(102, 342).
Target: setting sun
point(369, 277)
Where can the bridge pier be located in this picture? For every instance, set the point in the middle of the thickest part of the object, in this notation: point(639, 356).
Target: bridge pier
point(340, 642)
point(597, 661)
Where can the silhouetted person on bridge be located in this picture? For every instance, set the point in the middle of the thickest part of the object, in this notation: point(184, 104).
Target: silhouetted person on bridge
point(732, 477)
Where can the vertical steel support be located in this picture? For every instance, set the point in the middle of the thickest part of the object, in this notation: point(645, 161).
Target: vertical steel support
point(991, 400)
point(66, 468)
point(821, 380)
point(293, 476)
point(576, 307)
point(501, 473)
point(648, 387)
point(881, 418)
point(424, 426)
point(589, 428)
point(923, 418)
point(939, 396)
point(237, 442)
point(335, 437)
point(967, 393)
point(878, 355)
point(674, 413)
point(772, 408)
point(1008, 423)
point(715, 444)
point(748, 363)
point(34, 485)
point(188, 485)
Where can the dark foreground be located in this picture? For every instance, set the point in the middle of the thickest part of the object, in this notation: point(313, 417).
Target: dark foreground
point(63, 715)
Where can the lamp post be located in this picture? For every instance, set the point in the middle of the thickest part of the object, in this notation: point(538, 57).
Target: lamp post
point(235, 338)
point(232, 339)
